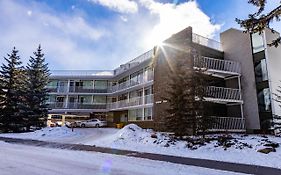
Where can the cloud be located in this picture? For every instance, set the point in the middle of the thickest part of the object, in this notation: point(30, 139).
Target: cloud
point(62, 37)
point(173, 18)
point(122, 6)
point(82, 40)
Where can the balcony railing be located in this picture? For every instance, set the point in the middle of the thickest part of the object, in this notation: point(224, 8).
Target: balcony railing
point(217, 64)
point(86, 89)
point(147, 55)
point(70, 105)
point(130, 83)
point(81, 73)
point(206, 42)
point(228, 124)
point(136, 101)
point(221, 93)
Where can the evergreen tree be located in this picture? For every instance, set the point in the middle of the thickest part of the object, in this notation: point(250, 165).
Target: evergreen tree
point(11, 85)
point(36, 92)
point(201, 82)
point(258, 21)
point(181, 97)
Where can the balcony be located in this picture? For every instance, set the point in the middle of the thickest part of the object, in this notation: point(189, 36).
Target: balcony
point(65, 105)
point(130, 83)
point(222, 95)
point(233, 124)
point(136, 101)
point(221, 68)
point(133, 63)
point(86, 89)
point(206, 42)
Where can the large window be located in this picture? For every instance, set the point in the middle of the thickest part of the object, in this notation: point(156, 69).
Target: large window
point(100, 84)
point(257, 42)
point(87, 84)
point(261, 71)
point(147, 113)
point(264, 100)
point(135, 114)
point(99, 99)
point(86, 99)
point(136, 78)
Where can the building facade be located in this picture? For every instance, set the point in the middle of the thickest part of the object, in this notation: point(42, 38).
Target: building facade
point(244, 76)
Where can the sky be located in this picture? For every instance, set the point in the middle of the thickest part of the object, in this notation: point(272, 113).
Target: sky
point(102, 34)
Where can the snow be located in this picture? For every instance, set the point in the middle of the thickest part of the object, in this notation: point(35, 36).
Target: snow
point(132, 137)
point(25, 160)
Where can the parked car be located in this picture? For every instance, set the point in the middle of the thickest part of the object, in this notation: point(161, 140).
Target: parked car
point(71, 124)
point(91, 123)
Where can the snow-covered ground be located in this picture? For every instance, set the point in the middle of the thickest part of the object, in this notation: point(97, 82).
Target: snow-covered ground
point(26, 160)
point(131, 137)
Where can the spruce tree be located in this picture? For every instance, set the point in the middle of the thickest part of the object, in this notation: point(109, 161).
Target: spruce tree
point(201, 82)
point(11, 93)
point(36, 92)
point(258, 21)
point(180, 94)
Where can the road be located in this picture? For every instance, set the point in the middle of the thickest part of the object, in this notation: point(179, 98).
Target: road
point(26, 160)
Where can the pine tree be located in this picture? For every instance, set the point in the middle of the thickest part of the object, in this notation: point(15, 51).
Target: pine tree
point(36, 92)
point(181, 97)
point(258, 21)
point(11, 85)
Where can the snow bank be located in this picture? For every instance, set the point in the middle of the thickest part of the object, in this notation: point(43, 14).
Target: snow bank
point(46, 134)
point(132, 137)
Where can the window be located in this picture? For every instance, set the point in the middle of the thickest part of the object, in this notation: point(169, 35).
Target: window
point(87, 84)
point(261, 71)
point(53, 83)
point(264, 100)
point(100, 84)
point(51, 98)
point(136, 78)
point(85, 99)
point(147, 113)
point(135, 114)
point(99, 99)
point(257, 42)
point(58, 117)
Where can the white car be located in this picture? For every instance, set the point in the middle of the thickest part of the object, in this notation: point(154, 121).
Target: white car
point(92, 123)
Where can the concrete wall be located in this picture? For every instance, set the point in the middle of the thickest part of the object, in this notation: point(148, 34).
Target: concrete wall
point(237, 47)
point(273, 59)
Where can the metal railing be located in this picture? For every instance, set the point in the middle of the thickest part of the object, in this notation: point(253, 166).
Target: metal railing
point(76, 105)
point(130, 83)
point(87, 89)
point(222, 93)
point(136, 101)
point(147, 55)
point(206, 42)
point(77, 73)
point(228, 124)
point(217, 64)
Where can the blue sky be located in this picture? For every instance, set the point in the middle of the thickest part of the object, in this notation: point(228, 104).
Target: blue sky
point(101, 34)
